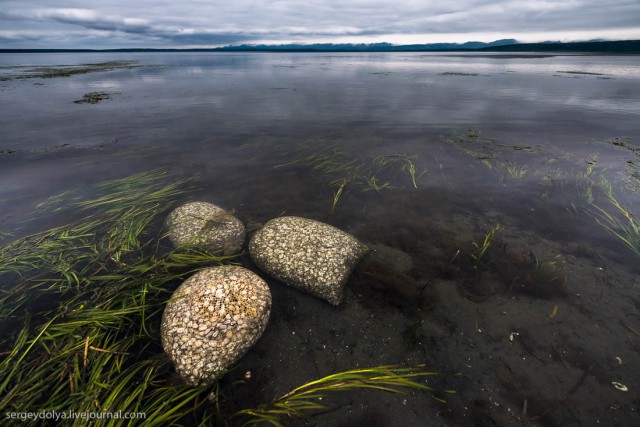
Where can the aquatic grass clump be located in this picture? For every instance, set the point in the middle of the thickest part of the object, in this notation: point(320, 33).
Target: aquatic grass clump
point(586, 178)
point(479, 253)
point(622, 224)
point(110, 226)
point(544, 278)
point(307, 397)
point(514, 170)
point(410, 168)
point(80, 306)
point(548, 271)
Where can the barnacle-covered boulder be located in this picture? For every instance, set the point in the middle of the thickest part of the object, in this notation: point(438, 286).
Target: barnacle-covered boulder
point(307, 254)
point(212, 319)
point(206, 226)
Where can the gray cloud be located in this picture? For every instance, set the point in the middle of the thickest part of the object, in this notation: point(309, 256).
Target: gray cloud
point(91, 20)
point(213, 22)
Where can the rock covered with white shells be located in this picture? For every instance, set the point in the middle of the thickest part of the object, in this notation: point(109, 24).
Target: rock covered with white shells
point(310, 255)
point(207, 226)
point(212, 319)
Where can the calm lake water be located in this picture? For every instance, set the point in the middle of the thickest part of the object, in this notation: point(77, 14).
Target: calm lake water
point(438, 154)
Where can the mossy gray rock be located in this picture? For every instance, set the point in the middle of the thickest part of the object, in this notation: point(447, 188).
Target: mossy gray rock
point(212, 319)
point(309, 255)
point(207, 226)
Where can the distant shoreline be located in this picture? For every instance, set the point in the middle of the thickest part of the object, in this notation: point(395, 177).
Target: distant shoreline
point(626, 47)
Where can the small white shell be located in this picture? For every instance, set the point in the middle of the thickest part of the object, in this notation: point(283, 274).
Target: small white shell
point(619, 386)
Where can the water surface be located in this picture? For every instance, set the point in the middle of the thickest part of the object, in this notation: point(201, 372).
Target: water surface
point(519, 144)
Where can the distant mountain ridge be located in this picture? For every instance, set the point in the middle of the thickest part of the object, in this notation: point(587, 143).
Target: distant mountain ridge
point(369, 47)
point(505, 45)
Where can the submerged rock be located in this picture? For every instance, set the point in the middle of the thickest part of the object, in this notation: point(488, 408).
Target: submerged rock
point(206, 226)
point(307, 254)
point(212, 319)
point(392, 259)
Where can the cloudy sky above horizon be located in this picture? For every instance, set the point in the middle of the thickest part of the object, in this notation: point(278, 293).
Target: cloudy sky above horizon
point(210, 23)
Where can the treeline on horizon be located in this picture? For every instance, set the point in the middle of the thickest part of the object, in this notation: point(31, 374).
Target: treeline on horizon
point(506, 45)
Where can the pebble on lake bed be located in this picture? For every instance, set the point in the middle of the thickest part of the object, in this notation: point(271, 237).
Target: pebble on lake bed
point(307, 254)
point(207, 226)
point(211, 321)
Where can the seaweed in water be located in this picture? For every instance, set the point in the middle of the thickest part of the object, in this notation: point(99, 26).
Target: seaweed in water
point(80, 310)
point(93, 97)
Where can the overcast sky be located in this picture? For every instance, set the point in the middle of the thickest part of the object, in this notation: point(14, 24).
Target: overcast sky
point(208, 23)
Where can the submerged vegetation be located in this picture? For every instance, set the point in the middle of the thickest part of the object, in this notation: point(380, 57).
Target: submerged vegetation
point(48, 72)
point(478, 254)
point(93, 97)
point(80, 309)
point(559, 172)
point(549, 273)
point(80, 306)
point(621, 223)
point(589, 187)
point(505, 160)
point(514, 170)
point(410, 167)
point(344, 172)
point(308, 397)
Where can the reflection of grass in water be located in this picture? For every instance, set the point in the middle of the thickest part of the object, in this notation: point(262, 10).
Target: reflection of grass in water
point(621, 223)
point(307, 397)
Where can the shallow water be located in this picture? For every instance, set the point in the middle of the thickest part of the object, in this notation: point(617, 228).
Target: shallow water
point(513, 143)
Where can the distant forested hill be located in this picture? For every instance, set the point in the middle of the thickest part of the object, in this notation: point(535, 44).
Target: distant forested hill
point(622, 46)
